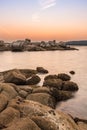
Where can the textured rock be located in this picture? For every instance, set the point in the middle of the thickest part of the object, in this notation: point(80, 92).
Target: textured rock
point(3, 102)
point(43, 98)
point(23, 124)
point(8, 91)
point(70, 86)
point(26, 88)
point(45, 123)
point(45, 117)
point(23, 93)
point(64, 76)
point(51, 77)
point(82, 126)
point(57, 83)
point(9, 115)
point(61, 95)
point(41, 90)
point(15, 76)
point(28, 72)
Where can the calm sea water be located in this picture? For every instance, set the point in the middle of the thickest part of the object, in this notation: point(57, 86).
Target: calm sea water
point(56, 62)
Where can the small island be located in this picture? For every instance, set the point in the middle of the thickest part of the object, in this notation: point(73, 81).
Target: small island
point(28, 45)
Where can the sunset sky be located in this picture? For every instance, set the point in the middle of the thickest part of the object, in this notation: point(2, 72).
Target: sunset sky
point(43, 19)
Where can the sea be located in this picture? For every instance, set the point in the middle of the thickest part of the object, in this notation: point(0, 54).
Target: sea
point(55, 62)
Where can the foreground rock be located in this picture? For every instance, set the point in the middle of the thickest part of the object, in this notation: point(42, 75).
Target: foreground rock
point(44, 117)
point(20, 77)
point(25, 107)
point(70, 86)
point(43, 98)
point(61, 95)
point(15, 77)
point(60, 82)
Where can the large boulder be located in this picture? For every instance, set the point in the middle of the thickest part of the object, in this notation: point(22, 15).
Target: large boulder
point(64, 77)
point(44, 117)
point(35, 79)
point(43, 98)
point(57, 83)
point(70, 86)
point(41, 70)
point(15, 76)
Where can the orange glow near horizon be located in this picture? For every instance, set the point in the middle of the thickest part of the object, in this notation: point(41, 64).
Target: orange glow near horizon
point(44, 33)
point(58, 19)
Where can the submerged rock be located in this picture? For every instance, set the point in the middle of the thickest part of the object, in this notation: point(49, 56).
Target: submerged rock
point(72, 72)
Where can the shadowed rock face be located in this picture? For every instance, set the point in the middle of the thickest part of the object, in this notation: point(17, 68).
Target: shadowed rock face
point(64, 77)
point(70, 86)
point(15, 77)
point(41, 70)
point(33, 80)
point(20, 77)
point(57, 83)
point(60, 82)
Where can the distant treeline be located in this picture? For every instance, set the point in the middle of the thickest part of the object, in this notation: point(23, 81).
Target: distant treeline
point(79, 43)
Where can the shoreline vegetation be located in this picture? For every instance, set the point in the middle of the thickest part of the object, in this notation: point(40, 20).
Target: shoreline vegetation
point(28, 45)
point(27, 106)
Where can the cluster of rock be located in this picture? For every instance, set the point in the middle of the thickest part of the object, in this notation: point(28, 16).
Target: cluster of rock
point(26, 106)
point(4, 46)
point(27, 45)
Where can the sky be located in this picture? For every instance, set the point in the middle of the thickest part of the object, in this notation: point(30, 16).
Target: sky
point(38, 20)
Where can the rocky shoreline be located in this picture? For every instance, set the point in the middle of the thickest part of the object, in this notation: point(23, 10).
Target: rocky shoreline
point(26, 106)
point(28, 45)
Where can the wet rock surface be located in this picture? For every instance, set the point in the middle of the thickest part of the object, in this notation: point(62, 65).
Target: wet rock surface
point(31, 107)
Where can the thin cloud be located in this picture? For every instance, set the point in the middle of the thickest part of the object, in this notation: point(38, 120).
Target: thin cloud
point(47, 3)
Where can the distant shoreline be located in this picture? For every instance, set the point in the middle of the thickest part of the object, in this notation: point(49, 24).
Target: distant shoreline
point(28, 45)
